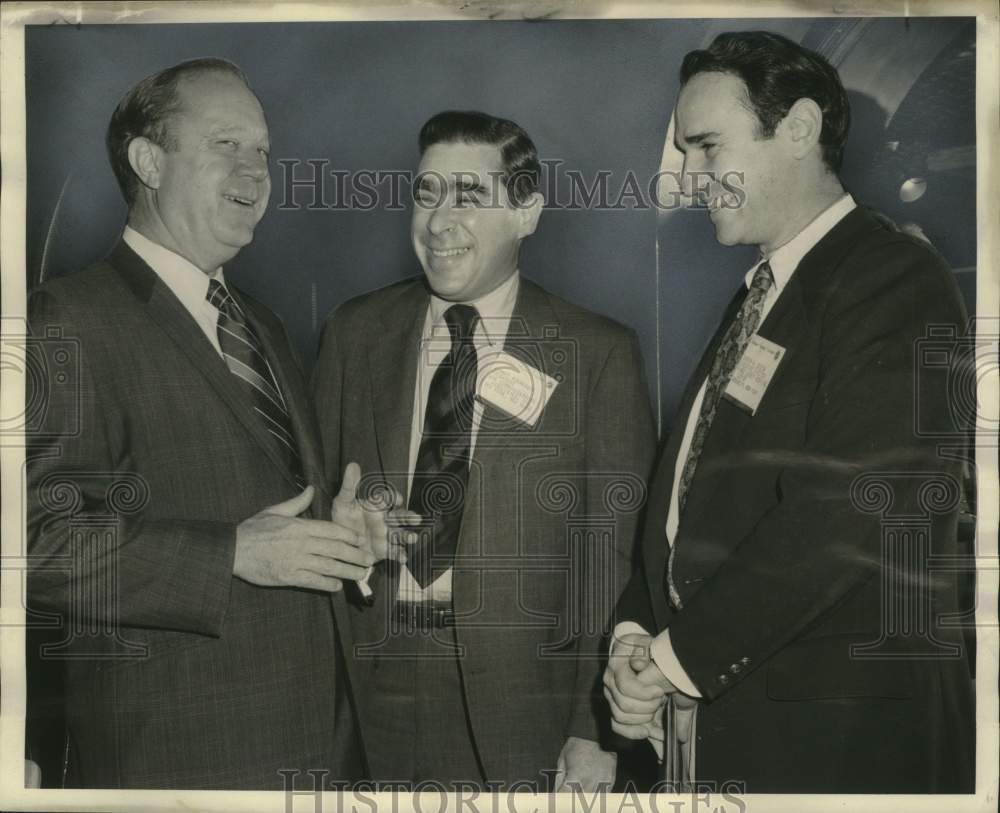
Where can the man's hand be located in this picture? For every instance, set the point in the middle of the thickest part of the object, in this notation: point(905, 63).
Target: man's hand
point(635, 704)
point(647, 672)
point(585, 767)
point(382, 525)
point(277, 548)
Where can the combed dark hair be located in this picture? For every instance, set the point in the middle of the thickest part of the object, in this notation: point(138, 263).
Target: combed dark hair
point(145, 111)
point(777, 73)
point(519, 157)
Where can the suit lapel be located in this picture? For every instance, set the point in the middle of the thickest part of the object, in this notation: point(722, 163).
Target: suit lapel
point(180, 328)
point(785, 322)
point(393, 377)
point(784, 325)
point(393, 358)
point(503, 443)
point(532, 336)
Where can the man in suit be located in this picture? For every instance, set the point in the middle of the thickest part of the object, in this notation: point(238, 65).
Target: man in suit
point(175, 495)
point(782, 618)
point(519, 426)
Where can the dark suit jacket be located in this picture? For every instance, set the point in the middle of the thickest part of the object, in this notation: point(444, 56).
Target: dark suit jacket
point(549, 516)
point(178, 674)
point(781, 564)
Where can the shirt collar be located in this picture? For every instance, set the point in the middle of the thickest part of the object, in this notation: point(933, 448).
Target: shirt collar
point(495, 309)
point(785, 259)
point(188, 282)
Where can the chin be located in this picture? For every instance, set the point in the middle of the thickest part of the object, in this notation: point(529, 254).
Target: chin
point(729, 236)
point(444, 283)
point(445, 292)
point(724, 239)
point(241, 238)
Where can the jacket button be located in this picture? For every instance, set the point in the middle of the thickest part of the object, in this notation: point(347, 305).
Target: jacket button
point(745, 661)
point(735, 668)
point(723, 679)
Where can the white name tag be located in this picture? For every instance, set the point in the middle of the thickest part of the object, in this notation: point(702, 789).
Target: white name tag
point(513, 387)
point(754, 372)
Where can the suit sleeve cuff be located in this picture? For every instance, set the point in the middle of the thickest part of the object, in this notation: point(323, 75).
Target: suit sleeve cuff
point(662, 653)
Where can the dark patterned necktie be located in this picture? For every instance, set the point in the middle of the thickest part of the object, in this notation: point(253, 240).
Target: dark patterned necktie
point(728, 354)
point(245, 359)
point(441, 473)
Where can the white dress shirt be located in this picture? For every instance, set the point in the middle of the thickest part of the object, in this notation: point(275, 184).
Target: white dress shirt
point(784, 261)
point(184, 279)
point(495, 310)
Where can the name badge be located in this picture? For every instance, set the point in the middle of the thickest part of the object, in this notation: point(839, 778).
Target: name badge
point(754, 372)
point(513, 387)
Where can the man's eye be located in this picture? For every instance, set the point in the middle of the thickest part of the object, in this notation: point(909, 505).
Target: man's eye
point(226, 142)
point(709, 148)
point(466, 199)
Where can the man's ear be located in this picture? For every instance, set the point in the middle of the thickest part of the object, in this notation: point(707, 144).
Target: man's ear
point(146, 159)
point(528, 214)
point(802, 127)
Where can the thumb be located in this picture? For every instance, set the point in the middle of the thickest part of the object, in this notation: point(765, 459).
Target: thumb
point(294, 506)
point(349, 485)
point(639, 659)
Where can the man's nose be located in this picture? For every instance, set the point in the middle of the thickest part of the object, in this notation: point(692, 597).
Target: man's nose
point(696, 183)
point(254, 164)
point(442, 218)
point(688, 186)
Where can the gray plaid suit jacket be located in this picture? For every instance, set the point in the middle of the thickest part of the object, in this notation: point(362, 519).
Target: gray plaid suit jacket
point(549, 516)
point(178, 675)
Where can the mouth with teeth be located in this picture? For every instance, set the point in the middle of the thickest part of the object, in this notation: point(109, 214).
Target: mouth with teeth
point(448, 253)
point(239, 199)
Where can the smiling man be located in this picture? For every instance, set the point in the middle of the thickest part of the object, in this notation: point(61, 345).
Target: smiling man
point(519, 426)
point(205, 654)
point(787, 625)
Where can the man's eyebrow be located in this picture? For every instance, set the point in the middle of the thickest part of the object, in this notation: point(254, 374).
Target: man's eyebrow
point(697, 138)
point(217, 130)
point(468, 185)
point(223, 127)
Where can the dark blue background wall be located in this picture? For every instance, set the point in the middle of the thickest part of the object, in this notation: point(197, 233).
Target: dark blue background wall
point(595, 95)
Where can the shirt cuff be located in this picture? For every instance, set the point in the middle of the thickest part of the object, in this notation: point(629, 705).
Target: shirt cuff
point(662, 653)
point(625, 628)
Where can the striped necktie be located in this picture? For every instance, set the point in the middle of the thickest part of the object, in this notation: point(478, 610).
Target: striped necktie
point(729, 353)
point(441, 473)
point(245, 359)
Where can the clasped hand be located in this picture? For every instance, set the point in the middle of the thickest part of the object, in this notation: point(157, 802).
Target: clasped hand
point(637, 690)
point(278, 548)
